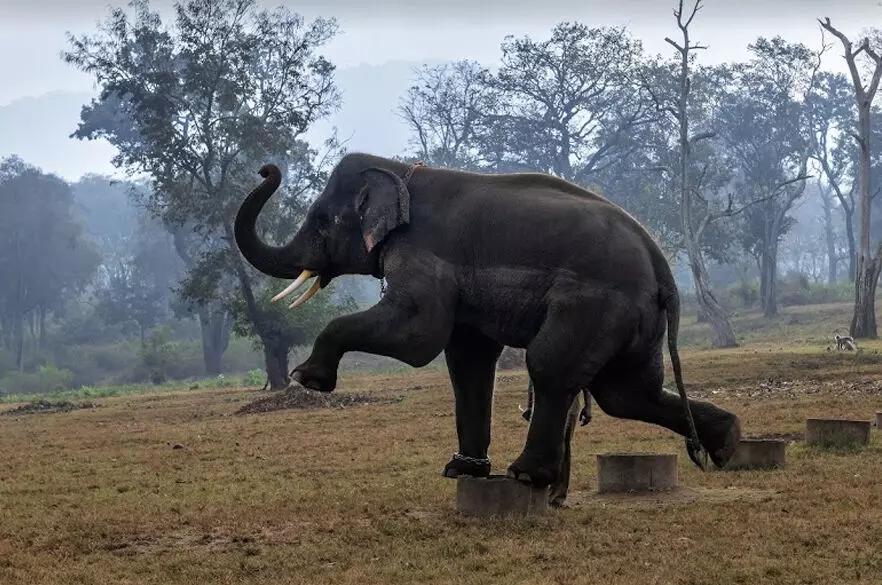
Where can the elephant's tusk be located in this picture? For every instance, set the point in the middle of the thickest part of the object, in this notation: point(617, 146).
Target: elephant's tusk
point(314, 288)
point(304, 276)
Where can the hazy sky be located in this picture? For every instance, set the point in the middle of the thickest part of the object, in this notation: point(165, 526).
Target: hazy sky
point(32, 32)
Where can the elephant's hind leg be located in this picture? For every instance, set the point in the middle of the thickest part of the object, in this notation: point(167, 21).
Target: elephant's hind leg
point(471, 362)
point(562, 359)
point(634, 391)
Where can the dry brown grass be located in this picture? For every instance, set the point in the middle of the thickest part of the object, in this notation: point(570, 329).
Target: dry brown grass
point(355, 495)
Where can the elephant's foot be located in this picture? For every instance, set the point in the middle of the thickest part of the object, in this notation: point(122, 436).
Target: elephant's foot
point(315, 376)
point(720, 444)
point(463, 465)
point(722, 447)
point(528, 469)
point(558, 503)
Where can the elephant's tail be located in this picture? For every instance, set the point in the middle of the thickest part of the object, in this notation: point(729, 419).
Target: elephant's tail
point(671, 305)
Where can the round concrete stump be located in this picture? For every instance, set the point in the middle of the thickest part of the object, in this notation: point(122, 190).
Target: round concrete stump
point(758, 454)
point(836, 432)
point(636, 472)
point(498, 495)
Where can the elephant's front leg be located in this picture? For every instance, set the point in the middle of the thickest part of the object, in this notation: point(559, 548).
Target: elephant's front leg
point(399, 326)
point(471, 362)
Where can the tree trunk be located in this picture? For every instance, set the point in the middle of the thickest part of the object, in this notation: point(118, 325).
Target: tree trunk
point(215, 338)
point(769, 280)
point(18, 320)
point(275, 354)
point(721, 329)
point(18, 337)
point(722, 334)
point(276, 357)
point(852, 251)
point(830, 238)
point(863, 324)
point(42, 327)
point(214, 323)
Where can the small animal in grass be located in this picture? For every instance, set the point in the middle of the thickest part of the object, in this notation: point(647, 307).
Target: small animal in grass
point(845, 342)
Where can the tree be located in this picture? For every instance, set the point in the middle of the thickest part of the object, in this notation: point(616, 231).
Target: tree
point(140, 279)
point(445, 110)
point(831, 239)
point(198, 108)
point(672, 91)
point(109, 216)
point(832, 116)
point(44, 257)
point(569, 105)
point(868, 265)
point(764, 123)
point(286, 328)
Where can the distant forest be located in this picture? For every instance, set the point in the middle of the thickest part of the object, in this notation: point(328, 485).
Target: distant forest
point(751, 175)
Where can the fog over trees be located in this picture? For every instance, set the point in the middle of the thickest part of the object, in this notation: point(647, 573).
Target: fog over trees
point(759, 179)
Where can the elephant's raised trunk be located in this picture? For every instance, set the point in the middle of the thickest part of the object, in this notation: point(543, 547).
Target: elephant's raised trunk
point(276, 261)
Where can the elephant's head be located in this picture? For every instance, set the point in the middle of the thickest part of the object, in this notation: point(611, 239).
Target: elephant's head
point(364, 200)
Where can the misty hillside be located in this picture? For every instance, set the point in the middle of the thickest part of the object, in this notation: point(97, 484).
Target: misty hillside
point(38, 128)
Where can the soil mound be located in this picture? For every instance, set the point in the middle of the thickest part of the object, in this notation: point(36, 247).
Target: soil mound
point(46, 407)
point(303, 399)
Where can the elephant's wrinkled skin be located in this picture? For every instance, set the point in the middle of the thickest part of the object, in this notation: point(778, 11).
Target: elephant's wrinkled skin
point(474, 262)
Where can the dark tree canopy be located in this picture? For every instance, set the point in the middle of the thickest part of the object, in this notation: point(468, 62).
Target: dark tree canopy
point(198, 107)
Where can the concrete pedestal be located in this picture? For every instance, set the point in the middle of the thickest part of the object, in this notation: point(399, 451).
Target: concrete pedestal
point(758, 454)
point(498, 495)
point(837, 432)
point(636, 472)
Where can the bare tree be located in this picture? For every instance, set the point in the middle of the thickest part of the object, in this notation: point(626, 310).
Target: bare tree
point(863, 324)
point(444, 110)
point(696, 213)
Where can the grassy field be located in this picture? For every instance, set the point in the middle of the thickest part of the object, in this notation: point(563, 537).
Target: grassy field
point(174, 487)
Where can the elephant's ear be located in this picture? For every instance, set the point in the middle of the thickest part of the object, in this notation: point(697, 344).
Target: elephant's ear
point(383, 205)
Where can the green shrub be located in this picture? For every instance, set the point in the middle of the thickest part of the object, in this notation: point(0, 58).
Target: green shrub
point(254, 378)
point(47, 378)
point(160, 355)
point(241, 356)
point(94, 365)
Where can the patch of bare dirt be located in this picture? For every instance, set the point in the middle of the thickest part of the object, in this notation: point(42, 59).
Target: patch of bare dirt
point(303, 399)
point(47, 407)
point(776, 389)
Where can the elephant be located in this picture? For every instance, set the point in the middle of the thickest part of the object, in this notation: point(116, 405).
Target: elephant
point(476, 261)
point(584, 414)
point(557, 495)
